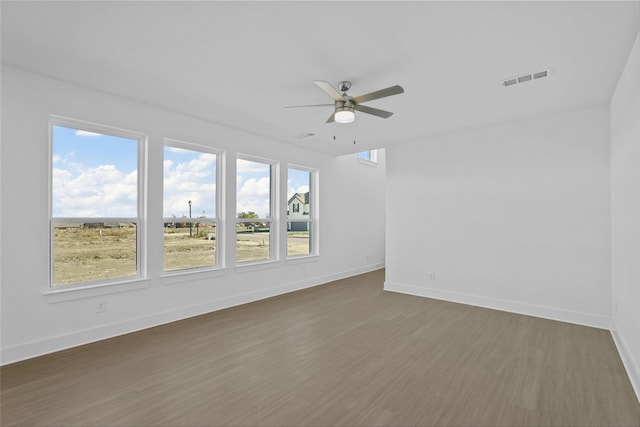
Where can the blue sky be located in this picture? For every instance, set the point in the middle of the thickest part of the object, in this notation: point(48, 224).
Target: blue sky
point(297, 182)
point(95, 175)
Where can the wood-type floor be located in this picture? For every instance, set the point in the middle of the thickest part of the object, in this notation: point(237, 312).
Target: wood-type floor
point(346, 354)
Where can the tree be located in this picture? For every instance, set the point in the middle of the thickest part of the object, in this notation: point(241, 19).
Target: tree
point(247, 215)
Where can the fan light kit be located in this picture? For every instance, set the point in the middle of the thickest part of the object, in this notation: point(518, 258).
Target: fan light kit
point(345, 106)
point(344, 115)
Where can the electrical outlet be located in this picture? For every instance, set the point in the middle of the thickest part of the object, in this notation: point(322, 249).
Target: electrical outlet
point(432, 276)
point(101, 307)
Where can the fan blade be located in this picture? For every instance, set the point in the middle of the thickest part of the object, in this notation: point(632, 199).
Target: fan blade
point(392, 90)
point(331, 119)
point(374, 111)
point(311, 105)
point(329, 90)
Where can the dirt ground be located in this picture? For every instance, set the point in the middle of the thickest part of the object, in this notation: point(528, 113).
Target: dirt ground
point(82, 255)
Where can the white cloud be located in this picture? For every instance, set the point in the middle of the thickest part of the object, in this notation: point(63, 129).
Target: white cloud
point(255, 187)
point(253, 181)
point(103, 191)
point(190, 180)
point(58, 158)
point(209, 188)
point(253, 195)
point(249, 167)
point(293, 190)
point(259, 206)
point(86, 133)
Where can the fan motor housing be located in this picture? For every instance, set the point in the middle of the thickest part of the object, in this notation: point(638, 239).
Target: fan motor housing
point(344, 86)
point(347, 103)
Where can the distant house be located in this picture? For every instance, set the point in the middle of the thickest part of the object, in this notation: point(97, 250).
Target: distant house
point(298, 208)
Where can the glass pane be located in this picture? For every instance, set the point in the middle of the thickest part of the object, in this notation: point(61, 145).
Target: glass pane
point(371, 156)
point(85, 252)
point(189, 245)
point(298, 241)
point(252, 241)
point(298, 195)
point(189, 199)
point(253, 195)
point(189, 183)
point(94, 175)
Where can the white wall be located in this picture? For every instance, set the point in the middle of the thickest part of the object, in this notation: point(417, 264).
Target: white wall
point(351, 221)
point(514, 217)
point(625, 215)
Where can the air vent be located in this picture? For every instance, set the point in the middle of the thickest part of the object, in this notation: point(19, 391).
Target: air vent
point(511, 81)
point(540, 75)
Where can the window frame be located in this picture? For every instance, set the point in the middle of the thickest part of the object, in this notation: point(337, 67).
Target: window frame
point(141, 204)
point(274, 216)
point(372, 157)
point(219, 214)
point(312, 219)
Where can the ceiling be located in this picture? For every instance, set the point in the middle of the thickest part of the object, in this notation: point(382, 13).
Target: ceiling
point(239, 63)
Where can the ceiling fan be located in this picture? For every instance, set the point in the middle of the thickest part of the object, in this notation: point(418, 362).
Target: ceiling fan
point(345, 105)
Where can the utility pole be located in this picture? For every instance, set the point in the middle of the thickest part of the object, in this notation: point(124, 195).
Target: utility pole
point(190, 223)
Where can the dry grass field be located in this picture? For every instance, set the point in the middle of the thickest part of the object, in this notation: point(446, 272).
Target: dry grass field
point(81, 255)
point(92, 254)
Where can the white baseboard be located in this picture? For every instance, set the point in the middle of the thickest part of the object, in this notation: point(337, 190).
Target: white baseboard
point(586, 319)
point(630, 365)
point(49, 345)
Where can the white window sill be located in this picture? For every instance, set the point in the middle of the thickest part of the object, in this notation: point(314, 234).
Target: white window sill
point(52, 296)
point(189, 275)
point(367, 162)
point(301, 259)
point(256, 265)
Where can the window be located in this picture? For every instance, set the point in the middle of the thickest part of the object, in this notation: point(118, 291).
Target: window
point(96, 203)
point(254, 206)
point(368, 157)
point(300, 222)
point(190, 206)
